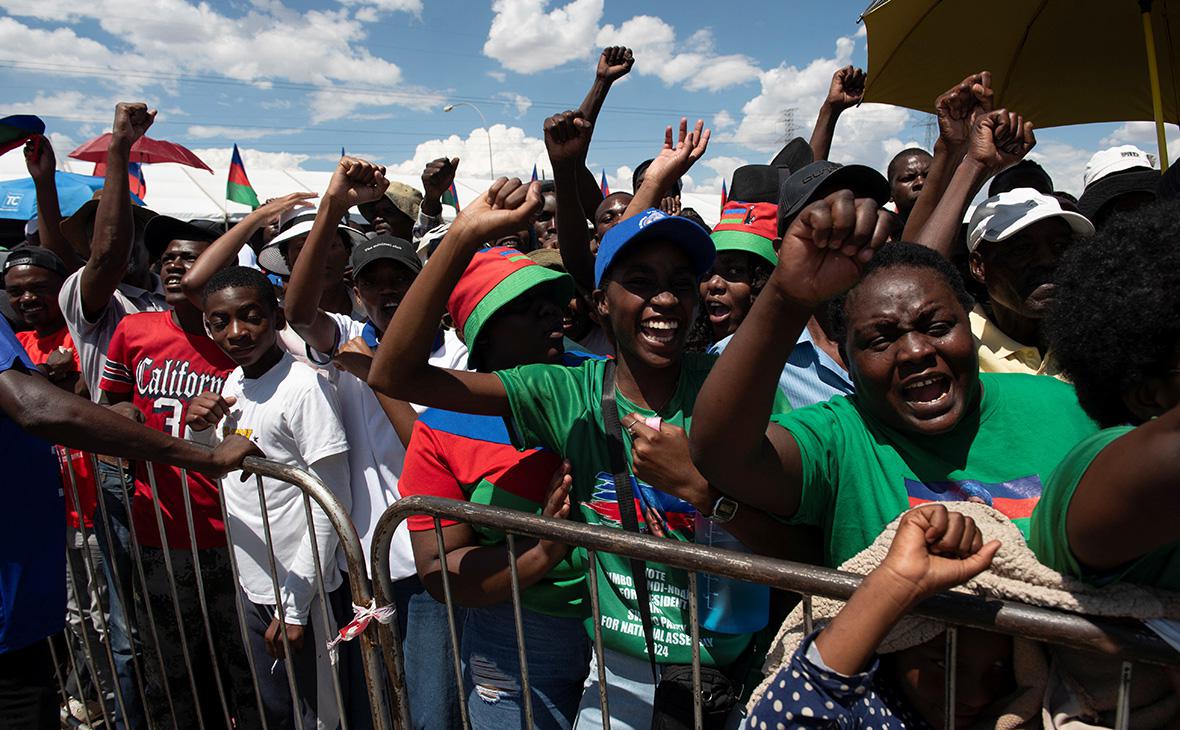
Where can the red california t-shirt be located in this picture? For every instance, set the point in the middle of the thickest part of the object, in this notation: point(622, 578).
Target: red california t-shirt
point(164, 368)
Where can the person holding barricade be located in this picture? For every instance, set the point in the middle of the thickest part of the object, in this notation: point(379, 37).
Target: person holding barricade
point(285, 564)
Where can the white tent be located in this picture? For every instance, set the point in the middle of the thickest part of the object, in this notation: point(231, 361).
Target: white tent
point(188, 193)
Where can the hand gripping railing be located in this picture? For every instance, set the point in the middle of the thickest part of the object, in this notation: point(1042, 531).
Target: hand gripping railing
point(1128, 641)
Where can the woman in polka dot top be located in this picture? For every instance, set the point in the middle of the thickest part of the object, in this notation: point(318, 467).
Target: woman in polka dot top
point(835, 680)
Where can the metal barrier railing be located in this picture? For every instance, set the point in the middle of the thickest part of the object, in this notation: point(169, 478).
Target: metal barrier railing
point(1126, 641)
point(92, 658)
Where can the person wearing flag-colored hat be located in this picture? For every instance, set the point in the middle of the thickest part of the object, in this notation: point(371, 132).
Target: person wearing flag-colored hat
point(509, 311)
point(744, 239)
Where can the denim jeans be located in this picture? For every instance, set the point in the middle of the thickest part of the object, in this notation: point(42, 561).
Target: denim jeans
point(116, 558)
point(433, 693)
point(558, 654)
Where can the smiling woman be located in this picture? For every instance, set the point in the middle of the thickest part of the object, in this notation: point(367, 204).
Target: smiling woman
point(924, 425)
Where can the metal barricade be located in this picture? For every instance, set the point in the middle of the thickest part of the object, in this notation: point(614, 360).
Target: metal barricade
point(1126, 641)
point(89, 656)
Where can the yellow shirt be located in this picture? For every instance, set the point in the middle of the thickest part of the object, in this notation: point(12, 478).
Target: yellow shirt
point(999, 353)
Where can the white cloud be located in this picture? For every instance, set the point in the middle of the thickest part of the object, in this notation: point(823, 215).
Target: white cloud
point(514, 153)
point(527, 37)
point(516, 102)
point(406, 6)
point(498, 76)
point(218, 158)
point(1136, 133)
point(70, 105)
point(268, 43)
point(200, 131)
point(723, 120)
point(692, 63)
point(337, 102)
point(865, 134)
point(723, 167)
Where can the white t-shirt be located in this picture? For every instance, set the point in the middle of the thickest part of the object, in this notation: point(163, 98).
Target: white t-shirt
point(376, 455)
point(93, 338)
point(293, 414)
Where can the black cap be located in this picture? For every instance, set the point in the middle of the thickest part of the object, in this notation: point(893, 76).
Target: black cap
point(163, 229)
point(1104, 190)
point(820, 178)
point(757, 184)
point(383, 247)
point(795, 155)
point(1021, 175)
point(35, 256)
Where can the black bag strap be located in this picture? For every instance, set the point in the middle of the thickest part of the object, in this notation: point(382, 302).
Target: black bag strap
point(626, 498)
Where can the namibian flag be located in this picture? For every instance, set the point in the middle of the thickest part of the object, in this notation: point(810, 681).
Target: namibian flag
point(14, 130)
point(724, 196)
point(534, 173)
point(451, 197)
point(737, 214)
point(603, 186)
point(136, 181)
point(238, 188)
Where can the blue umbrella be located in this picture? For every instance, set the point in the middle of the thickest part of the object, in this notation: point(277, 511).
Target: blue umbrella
point(18, 198)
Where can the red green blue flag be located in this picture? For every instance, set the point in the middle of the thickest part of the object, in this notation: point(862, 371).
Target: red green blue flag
point(534, 173)
point(451, 197)
point(136, 181)
point(603, 186)
point(238, 188)
point(14, 130)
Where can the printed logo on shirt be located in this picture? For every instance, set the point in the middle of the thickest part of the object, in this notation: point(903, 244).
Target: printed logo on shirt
point(1014, 498)
point(673, 512)
point(173, 379)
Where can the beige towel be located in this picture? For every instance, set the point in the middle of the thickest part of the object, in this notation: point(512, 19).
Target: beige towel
point(1016, 575)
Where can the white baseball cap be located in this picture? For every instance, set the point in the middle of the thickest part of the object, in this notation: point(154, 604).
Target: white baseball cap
point(1002, 216)
point(1115, 159)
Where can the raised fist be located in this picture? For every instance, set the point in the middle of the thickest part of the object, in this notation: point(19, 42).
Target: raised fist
point(567, 137)
point(847, 89)
point(357, 181)
point(826, 247)
point(507, 207)
point(131, 122)
point(39, 158)
point(1001, 138)
point(437, 177)
point(614, 63)
point(959, 107)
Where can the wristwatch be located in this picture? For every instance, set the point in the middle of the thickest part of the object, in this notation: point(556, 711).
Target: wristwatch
point(724, 510)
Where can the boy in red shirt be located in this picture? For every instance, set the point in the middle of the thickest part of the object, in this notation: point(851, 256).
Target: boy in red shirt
point(158, 362)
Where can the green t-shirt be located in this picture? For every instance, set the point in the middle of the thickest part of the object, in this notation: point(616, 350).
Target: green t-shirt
point(1048, 540)
point(858, 474)
point(559, 408)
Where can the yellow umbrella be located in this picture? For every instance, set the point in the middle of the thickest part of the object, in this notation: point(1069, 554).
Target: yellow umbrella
point(1057, 62)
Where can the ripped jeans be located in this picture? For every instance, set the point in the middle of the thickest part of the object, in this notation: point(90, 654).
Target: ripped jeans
point(558, 654)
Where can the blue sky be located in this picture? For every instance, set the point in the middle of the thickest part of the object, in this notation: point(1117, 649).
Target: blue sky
point(293, 82)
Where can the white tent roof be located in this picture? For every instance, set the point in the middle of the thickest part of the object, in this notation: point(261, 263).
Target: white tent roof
point(188, 193)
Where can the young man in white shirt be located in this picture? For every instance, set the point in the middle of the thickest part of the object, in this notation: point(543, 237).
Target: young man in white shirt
point(293, 415)
point(383, 268)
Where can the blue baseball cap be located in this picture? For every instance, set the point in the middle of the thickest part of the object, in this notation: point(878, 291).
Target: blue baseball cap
point(650, 224)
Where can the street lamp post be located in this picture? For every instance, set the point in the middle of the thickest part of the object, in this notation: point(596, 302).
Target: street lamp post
point(487, 130)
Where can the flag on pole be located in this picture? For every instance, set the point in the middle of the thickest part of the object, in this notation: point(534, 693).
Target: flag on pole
point(136, 180)
point(534, 173)
point(451, 197)
point(603, 186)
point(724, 196)
point(342, 150)
point(238, 188)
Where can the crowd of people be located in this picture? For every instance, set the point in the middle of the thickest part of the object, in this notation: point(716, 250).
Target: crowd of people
point(850, 369)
